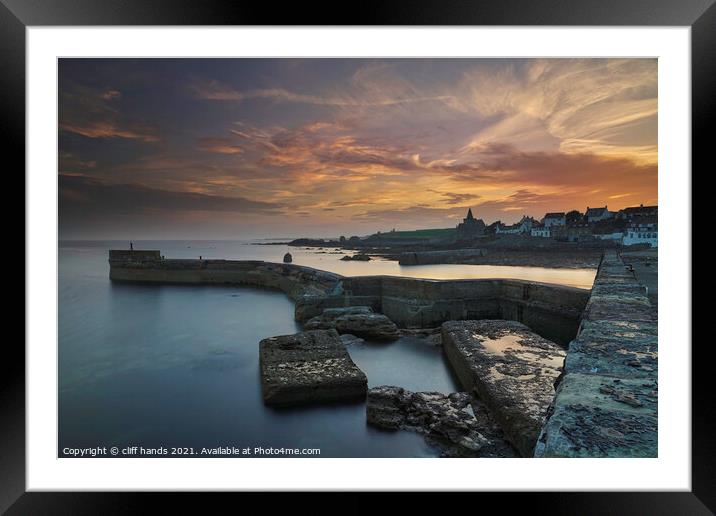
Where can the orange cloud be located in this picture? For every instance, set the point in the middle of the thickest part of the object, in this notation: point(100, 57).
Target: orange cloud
point(107, 130)
point(219, 146)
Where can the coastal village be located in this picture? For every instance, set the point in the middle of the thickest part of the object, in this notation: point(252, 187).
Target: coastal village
point(629, 226)
point(573, 239)
point(635, 227)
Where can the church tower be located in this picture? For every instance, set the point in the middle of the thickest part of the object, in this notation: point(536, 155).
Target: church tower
point(470, 227)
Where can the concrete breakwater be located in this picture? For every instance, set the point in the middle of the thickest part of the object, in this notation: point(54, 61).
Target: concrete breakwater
point(606, 402)
point(552, 311)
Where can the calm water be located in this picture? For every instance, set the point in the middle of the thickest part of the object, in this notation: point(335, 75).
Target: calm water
point(178, 365)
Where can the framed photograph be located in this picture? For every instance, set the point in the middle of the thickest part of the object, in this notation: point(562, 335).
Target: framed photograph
point(419, 252)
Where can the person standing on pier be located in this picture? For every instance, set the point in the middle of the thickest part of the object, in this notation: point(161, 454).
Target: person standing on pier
point(131, 246)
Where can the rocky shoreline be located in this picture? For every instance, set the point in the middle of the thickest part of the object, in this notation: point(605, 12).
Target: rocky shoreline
point(457, 424)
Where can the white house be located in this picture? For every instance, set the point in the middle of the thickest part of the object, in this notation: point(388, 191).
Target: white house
point(524, 226)
point(554, 219)
point(642, 233)
point(541, 231)
point(615, 236)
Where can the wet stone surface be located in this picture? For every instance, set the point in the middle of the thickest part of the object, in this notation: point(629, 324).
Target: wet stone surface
point(458, 424)
point(430, 336)
point(309, 367)
point(510, 368)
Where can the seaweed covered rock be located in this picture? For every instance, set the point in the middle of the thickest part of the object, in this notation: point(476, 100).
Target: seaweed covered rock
point(456, 423)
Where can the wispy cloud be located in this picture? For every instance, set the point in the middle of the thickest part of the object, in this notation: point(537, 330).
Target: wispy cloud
point(214, 90)
point(95, 114)
point(107, 129)
point(219, 146)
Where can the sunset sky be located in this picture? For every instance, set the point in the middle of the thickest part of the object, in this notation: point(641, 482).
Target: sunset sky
point(251, 148)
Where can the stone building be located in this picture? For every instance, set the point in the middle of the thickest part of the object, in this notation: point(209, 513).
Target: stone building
point(636, 212)
point(470, 227)
point(597, 214)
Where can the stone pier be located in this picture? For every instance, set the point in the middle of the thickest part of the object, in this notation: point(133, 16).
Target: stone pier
point(606, 402)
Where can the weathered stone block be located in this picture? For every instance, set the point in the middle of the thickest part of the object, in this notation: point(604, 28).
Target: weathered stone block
point(512, 370)
point(309, 367)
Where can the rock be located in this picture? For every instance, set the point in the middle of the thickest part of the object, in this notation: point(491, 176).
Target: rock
point(356, 257)
point(356, 320)
point(447, 421)
point(287, 258)
point(429, 336)
point(309, 367)
point(511, 369)
point(351, 340)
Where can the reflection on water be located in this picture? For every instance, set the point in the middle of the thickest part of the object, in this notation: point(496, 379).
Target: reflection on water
point(513, 343)
point(328, 259)
point(501, 344)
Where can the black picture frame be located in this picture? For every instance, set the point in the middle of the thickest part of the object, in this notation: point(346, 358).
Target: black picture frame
point(17, 15)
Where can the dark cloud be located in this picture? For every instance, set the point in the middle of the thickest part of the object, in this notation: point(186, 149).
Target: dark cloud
point(453, 198)
point(86, 197)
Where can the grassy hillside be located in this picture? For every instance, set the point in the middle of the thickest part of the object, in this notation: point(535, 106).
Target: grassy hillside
point(419, 233)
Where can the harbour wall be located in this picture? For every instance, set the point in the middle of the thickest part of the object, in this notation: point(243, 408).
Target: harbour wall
point(552, 311)
point(606, 401)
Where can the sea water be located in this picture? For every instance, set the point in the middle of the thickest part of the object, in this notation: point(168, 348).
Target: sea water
point(177, 365)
